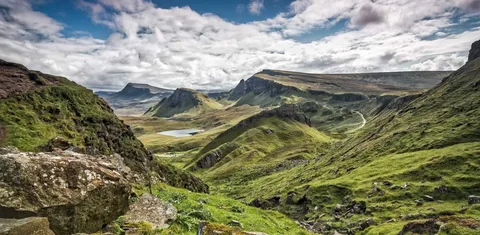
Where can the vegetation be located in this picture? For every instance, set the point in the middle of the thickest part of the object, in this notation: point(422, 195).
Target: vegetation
point(220, 211)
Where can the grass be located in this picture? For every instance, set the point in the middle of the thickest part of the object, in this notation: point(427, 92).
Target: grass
point(213, 121)
point(196, 207)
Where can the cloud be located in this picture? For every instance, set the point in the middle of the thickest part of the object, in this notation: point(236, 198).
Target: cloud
point(178, 47)
point(255, 7)
point(367, 14)
point(441, 62)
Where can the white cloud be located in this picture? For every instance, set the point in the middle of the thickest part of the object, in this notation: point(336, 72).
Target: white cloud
point(441, 62)
point(255, 7)
point(179, 47)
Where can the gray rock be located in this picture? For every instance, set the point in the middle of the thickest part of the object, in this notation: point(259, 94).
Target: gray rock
point(441, 189)
point(26, 226)
point(148, 208)
point(235, 223)
point(472, 199)
point(428, 198)
point(387, 183)
point(76, 192)
point(418, 202)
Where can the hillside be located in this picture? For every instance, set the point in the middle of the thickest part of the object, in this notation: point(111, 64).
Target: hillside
point(36, 107)
point(183, 101)
point(411, 168)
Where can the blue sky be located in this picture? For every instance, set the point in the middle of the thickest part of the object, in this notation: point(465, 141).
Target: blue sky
point(104, 44)
point(78, 21)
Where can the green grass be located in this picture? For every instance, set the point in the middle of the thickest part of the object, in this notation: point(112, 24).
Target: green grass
point(196, 207)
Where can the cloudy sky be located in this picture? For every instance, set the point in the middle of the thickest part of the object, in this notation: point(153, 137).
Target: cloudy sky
point(104, 44)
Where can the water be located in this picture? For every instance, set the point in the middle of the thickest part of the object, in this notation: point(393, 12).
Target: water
point(181, 133)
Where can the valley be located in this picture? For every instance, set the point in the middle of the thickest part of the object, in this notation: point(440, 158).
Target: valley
point(280, 153)
point(337, 153)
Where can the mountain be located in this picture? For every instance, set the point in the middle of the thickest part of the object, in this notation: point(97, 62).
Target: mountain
point(135, 98)
point(139, 91)
point(273, 87)
point(183, 101)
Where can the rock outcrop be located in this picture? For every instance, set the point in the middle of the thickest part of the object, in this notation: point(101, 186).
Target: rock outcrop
point(286, 111)
point(76, 192)
point(30, 226)
point(474, 51)
point(148, 208)
point(238, 91)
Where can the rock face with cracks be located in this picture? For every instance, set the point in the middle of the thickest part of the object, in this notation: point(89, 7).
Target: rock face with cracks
point(76, 192)
point(149, 208)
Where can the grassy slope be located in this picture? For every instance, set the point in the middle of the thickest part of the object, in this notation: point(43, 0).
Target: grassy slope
point(213, 121)
point(432, 142)
point(196, 207)
point(266, 147)
point(71, 111)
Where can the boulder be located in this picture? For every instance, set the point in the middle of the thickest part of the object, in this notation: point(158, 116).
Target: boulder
point(428, 198)
point(148, 208)
point(76, 192)
point(30, 226)
point(421, 227)
point(472, 199)
point(58, 143)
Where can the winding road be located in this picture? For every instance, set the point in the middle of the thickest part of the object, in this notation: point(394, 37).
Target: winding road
point(363, 122)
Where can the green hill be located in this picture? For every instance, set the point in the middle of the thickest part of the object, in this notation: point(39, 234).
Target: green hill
point(36, 107)
point(183, 101)
point(412, 167)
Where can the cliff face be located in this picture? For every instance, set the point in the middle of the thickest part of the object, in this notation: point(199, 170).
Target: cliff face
point(474, 51)
point(238, 91)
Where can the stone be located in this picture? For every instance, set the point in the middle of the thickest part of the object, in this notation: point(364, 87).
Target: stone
point(421, 227)
point(60, 144)
point(148, 208)
point(418, 202)
point(76, 192)
point(428, 198)
point(30, 226)
point(441, 189)
point(387, 183)
point(472, 199)
point(375, 187)
point(235, 223)
point(405, 185)
point(367, 223)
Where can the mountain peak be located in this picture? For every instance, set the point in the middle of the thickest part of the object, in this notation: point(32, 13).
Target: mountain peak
point(474, 51)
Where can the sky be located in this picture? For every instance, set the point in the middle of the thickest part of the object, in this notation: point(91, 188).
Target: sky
point(201, 44)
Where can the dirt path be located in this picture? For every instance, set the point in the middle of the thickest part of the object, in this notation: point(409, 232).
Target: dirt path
point(364, 121)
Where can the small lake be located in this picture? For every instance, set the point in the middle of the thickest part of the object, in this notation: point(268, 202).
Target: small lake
point(181, 133)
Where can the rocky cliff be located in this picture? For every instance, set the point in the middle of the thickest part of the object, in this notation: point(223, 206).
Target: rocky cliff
point(474, 51)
